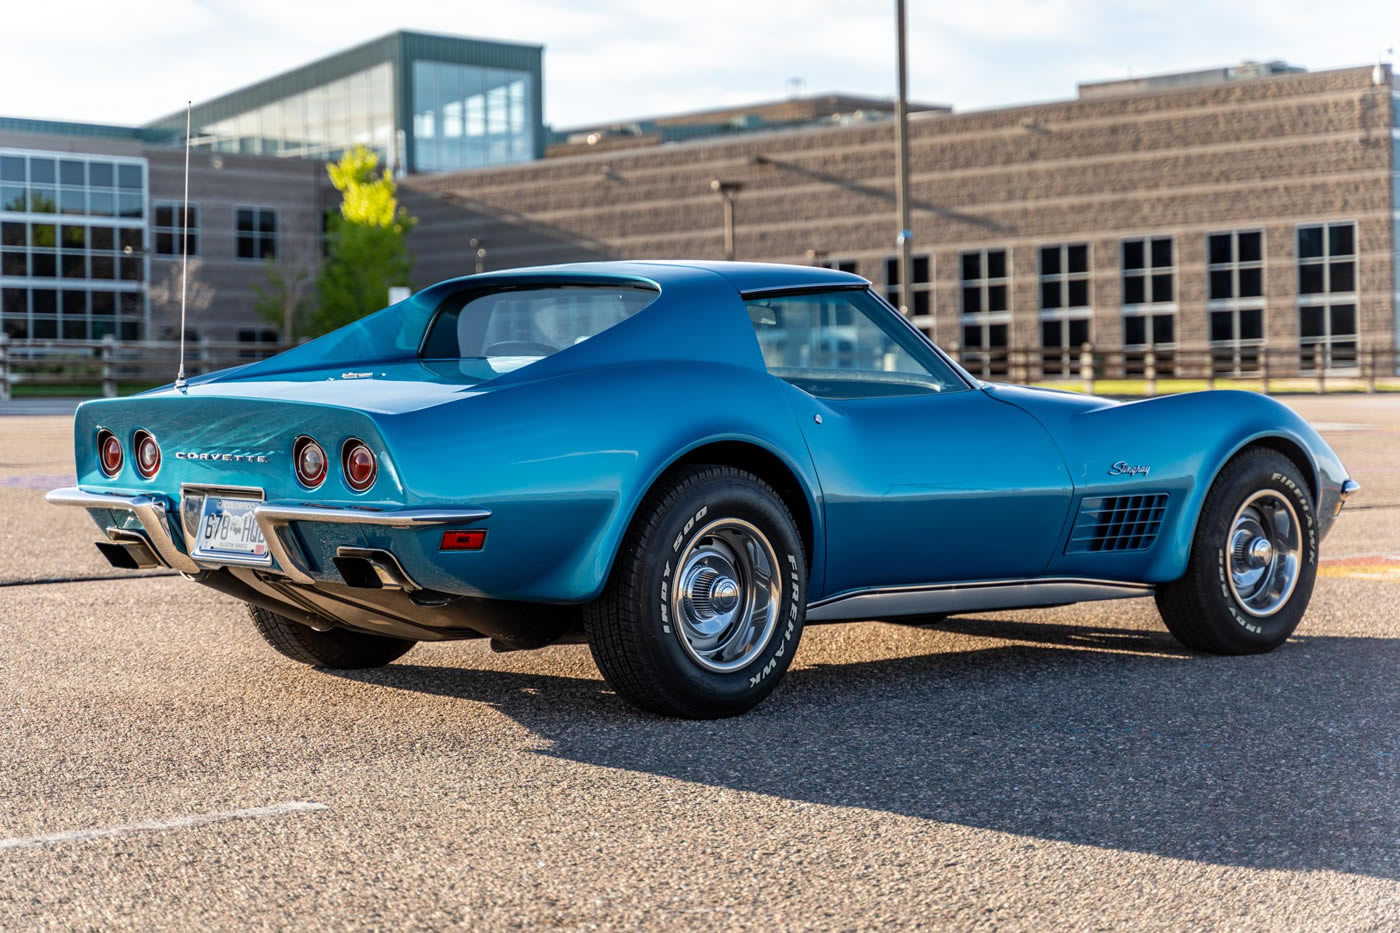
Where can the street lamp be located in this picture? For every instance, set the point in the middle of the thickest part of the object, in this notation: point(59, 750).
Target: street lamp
point(901, 134)
point(727, 190)
point(478, 244)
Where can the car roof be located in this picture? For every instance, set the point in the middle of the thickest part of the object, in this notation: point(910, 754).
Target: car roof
point(742, 276)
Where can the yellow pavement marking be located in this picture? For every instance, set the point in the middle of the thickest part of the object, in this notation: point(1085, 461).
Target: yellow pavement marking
point(1385, 569)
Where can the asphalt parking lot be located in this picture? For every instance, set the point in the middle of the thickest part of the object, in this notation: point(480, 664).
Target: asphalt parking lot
point(1066, 768)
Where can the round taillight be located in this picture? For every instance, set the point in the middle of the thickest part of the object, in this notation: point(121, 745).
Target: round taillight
point(358, 462)
point(309, 459)
point(109, 452)
point(147, 453)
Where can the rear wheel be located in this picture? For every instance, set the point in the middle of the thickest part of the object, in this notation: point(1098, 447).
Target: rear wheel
point(337, 648)
point(705, 604)
point(1253, 560)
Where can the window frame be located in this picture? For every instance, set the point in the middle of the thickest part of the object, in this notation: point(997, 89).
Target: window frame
point(1240, 349)
point(1150, 309)
point(177, 231)
point(839, 265)
point(988, 361)
point(256, 233)
point(1327, 299)
point(55, 296)
point(1064, 359)
point(916, 287)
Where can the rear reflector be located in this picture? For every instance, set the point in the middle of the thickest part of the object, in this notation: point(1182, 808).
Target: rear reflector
point(464, 540)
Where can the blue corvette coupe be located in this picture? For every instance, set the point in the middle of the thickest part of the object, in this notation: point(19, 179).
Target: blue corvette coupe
point(684, 462)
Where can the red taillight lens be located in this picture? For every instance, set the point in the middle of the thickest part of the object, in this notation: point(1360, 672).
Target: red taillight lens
point(473, 540)
point(147, 453)
point(358, 462)
point(109, 452)
point(309, 461)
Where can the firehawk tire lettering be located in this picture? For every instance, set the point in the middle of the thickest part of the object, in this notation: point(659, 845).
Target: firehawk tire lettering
point(641, 646)
point(1201, 608)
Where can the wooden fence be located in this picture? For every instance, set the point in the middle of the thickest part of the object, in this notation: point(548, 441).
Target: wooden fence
point(110, 366)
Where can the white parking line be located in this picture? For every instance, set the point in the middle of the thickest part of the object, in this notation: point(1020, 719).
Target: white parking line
point(178, 822)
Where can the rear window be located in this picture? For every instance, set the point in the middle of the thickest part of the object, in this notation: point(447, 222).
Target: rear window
point(516, 327)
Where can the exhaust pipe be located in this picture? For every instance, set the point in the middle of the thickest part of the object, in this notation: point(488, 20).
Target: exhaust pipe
point(372, 568)
point(128, 550)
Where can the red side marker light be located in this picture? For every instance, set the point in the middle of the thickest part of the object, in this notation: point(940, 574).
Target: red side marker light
point(473, 540)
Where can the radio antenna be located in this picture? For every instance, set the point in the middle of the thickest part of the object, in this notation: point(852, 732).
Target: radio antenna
point(184, 251)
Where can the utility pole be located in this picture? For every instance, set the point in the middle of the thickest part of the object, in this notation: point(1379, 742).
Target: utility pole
point(901, 190)
point(727, 190)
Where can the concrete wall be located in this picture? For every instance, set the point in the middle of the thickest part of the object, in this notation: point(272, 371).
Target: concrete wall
point(219, 183)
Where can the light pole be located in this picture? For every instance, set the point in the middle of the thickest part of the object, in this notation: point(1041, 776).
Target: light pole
point(478, 244)
point(901, 189)
point(727, 190)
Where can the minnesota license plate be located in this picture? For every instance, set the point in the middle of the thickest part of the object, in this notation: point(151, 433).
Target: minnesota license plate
point(227, 529)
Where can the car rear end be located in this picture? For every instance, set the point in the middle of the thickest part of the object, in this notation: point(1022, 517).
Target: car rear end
point(294, 490)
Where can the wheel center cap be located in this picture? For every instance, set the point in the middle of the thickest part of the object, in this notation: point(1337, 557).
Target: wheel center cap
point(724, 595)
point(1261, 551)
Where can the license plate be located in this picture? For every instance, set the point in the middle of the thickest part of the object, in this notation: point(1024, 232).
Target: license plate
point(227, 529)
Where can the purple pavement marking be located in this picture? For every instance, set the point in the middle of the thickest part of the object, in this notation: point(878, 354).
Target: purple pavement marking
point(49, 481)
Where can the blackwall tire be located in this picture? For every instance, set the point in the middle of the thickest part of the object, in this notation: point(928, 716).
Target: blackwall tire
point(705, 604)
point(1240, 596)
point(338, 648)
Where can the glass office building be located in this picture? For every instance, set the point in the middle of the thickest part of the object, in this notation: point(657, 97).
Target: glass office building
point(425, 103)
point(73, 259)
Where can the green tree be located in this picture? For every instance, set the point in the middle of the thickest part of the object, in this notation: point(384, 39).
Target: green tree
point(367, 251)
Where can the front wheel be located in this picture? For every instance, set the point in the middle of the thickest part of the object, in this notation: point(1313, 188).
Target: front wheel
point(705, 605)
point(1253, 559)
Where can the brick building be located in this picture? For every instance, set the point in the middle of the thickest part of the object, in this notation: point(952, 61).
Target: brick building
point(1232, 209)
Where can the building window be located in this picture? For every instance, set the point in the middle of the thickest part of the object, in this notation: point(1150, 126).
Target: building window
point(469, 117)
point(72, 245)
point(1149, 302)
point(1235, 300)
point(169, 227)
point(1327, 328)
point(257, 233)
point(921, 286)
point(840, 265)
point(1065, 311)
point(986, 312)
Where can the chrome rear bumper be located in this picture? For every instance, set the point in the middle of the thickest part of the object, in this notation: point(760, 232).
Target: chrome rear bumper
point(153, 512)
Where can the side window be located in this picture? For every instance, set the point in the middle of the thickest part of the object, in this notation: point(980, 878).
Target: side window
point(846, 344)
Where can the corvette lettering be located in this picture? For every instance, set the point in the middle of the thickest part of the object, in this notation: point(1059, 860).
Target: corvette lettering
point(226, 458)
point(1121, 468)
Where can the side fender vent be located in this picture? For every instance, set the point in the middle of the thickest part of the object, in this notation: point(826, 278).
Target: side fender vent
point(1117, 523)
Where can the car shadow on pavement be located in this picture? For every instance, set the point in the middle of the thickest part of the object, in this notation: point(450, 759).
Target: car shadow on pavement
point(1093, 736)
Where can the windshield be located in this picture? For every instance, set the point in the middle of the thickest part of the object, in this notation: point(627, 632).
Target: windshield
point(515, 327)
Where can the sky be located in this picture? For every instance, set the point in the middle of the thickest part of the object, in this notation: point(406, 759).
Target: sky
point(130, 61)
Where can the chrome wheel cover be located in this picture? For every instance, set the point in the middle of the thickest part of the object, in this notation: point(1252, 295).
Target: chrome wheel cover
point(1265, 553)
point(725, 595)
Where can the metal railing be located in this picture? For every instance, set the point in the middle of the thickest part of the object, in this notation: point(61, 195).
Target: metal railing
point(108, 366)
point(1309, 368)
